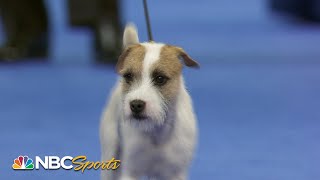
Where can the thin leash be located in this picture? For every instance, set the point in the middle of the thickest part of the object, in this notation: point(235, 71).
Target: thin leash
point(146, 14)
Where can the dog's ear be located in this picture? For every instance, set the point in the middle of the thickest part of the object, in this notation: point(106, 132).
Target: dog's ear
point(188, 61)
point(130, 38)
point(121, 59)
point(130, 35)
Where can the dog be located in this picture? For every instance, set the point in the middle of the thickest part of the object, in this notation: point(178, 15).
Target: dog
point(149, 122)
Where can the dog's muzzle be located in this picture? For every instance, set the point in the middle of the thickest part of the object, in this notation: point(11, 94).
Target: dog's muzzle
point(137, 107)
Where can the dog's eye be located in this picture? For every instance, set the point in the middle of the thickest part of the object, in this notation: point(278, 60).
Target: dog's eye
point(128, 77)
point(160, 80)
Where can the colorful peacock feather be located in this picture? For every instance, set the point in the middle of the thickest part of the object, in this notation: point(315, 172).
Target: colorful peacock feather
point(23, 163)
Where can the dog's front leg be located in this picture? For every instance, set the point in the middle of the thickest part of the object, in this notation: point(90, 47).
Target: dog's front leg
point(128, 177)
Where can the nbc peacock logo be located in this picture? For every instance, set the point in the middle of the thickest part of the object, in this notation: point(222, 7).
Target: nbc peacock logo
point(23, 163)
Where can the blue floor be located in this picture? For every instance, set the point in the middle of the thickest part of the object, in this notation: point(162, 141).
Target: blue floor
point(257, 94)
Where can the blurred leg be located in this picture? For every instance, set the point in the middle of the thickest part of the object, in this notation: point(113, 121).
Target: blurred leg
point(25, 24)
point(9, 24)
point(108, 31)
point(103, 18)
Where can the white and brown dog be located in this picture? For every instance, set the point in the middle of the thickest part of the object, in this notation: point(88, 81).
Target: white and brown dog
point(149, 122)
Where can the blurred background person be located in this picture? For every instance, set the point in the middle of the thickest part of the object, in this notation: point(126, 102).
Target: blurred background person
point(26, 28)
point(25, 24)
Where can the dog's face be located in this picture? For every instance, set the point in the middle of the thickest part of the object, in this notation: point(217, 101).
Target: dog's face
point(151, 81)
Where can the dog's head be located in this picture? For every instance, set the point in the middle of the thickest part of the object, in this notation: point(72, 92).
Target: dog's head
point(151, 79)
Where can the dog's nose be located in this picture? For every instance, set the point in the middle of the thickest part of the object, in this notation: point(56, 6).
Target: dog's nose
point(137, 106)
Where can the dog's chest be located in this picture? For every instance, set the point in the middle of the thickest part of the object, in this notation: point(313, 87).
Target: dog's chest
point(153, 153)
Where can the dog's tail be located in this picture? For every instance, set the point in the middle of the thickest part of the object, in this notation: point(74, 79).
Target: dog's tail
point(109, 134)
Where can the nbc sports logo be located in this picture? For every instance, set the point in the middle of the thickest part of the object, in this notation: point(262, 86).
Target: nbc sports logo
point(23, 163)
point(79, 163)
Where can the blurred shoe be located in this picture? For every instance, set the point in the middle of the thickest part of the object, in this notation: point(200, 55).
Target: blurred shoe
point(22, 49)
point(305, 10)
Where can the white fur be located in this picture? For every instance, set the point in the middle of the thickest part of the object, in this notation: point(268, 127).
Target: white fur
point(130, 35)
point(160, 147)
point(152, 55)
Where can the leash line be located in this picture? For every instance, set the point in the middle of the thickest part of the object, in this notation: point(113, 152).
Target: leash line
point(146, 13)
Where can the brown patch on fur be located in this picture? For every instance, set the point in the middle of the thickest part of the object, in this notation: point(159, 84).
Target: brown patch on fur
point(131, 55)
point(131, 61)
point(170, 65)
